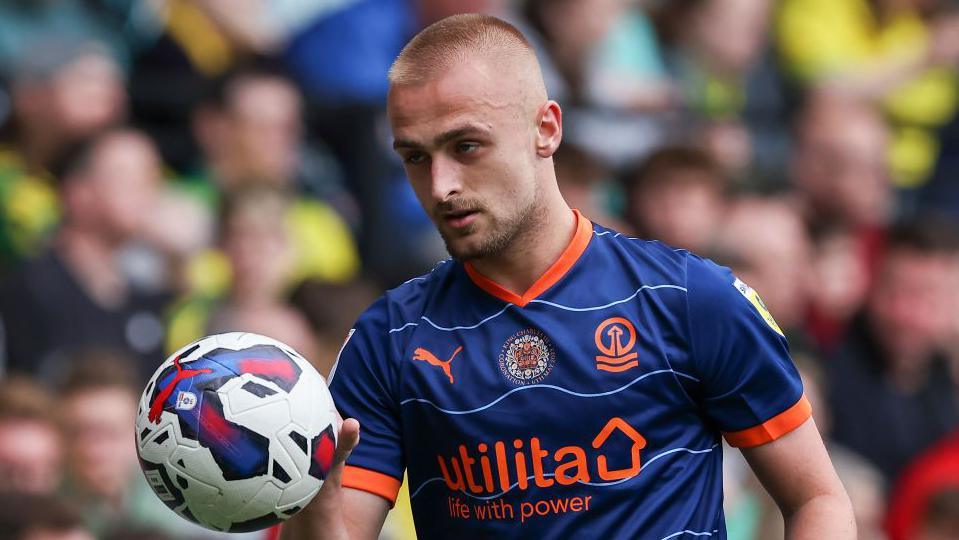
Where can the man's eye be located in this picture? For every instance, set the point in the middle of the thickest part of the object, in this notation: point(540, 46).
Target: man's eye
point(467, 147)
point(415, 158)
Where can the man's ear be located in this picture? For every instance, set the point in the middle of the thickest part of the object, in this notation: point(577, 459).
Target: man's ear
point(549, 131)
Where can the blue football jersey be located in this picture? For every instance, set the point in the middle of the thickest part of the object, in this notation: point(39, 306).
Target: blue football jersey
point(591, 404)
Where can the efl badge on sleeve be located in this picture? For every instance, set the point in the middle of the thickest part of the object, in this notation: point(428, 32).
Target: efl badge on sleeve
point(758, 303)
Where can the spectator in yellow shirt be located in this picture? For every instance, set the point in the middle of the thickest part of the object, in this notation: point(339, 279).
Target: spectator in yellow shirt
point(901, 54)
point(61, 93)
point(250, 133)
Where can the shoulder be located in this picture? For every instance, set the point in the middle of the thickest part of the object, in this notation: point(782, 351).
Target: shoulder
point(706, 276)
point(408, 302)
point(378, 335)
point(712, 289)
point(662, 262)
point(638, 251)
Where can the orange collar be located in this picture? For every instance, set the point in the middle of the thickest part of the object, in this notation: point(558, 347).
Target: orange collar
point(572, 253)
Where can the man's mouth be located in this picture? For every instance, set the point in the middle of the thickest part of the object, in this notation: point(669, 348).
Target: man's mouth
point(460, 219)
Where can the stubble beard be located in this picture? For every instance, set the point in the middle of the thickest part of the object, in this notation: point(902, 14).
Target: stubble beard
point(503, 235)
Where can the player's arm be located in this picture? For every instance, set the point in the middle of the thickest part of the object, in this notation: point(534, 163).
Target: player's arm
point(337, 512)
point(750, 390)
point(797, 472)
point(368, 470)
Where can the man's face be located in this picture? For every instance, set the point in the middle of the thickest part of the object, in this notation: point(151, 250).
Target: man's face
point(29, 456)
point(683, 211)
point(841, 164)
point(771, 244)
point(87, 95)
point(467, 140)
point(99, 427)
point(911, 306)
point(257, 246)
point(731, 32)
point(592, 19)
point(125, 176)
point(264, 129)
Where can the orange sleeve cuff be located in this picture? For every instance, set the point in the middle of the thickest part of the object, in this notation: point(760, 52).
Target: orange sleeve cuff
point(771, 429)
point(373, 482)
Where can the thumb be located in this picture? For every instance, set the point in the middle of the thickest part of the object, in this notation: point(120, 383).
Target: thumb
point(348, 439)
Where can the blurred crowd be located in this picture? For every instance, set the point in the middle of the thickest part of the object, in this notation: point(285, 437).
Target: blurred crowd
point(175, 168)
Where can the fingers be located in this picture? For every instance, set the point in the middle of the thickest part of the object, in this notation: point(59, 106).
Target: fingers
point(323, 516)
point(347, 441)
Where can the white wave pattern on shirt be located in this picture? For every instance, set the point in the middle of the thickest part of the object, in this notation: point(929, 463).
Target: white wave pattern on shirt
point(547, 386)
point(704, 533)
point(543, 302)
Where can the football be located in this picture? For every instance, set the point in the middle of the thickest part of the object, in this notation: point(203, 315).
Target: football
point(236, 432)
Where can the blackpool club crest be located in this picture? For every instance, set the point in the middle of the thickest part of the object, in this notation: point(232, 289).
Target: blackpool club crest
point(527, 357)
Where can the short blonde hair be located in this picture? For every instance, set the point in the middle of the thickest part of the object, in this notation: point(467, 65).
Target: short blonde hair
point(456, 39)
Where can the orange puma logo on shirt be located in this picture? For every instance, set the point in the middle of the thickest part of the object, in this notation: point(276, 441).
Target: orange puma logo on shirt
point(426, 356)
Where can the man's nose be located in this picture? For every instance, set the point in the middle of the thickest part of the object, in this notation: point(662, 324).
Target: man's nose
point(445, 178)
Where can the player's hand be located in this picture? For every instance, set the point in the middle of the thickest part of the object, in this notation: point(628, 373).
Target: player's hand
point(323, 517)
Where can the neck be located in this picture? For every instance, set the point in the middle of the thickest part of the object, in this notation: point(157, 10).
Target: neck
point(520, 265)
point(91, 260)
